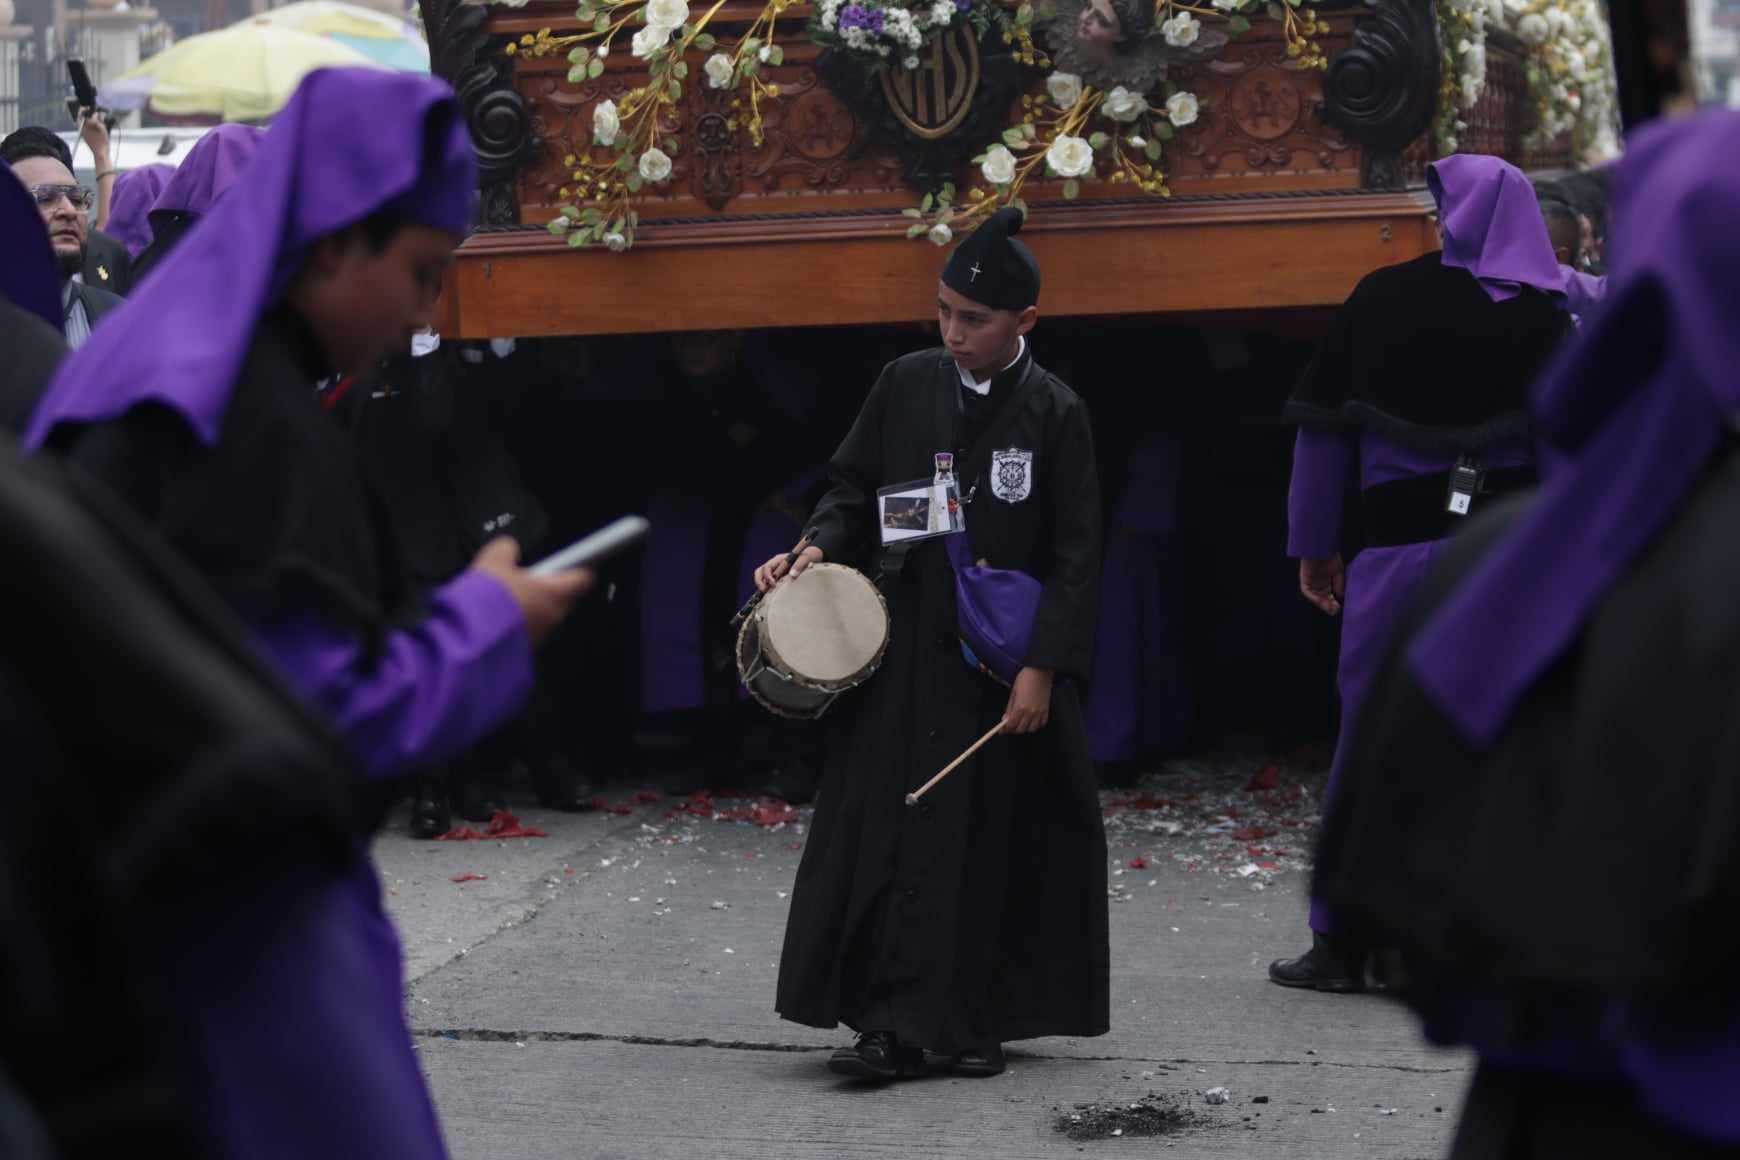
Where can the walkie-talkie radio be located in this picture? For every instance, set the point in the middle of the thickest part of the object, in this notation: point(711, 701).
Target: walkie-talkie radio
point(84, 98)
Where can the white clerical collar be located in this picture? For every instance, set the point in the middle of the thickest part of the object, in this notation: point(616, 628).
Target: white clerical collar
point(984, 388)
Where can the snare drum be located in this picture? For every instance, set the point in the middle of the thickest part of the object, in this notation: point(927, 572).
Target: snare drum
point(811, 638)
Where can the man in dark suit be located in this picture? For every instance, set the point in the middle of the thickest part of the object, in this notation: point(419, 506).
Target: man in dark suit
point(42, 162)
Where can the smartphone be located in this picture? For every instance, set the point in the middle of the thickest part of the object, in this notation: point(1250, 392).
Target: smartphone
point(607, 541)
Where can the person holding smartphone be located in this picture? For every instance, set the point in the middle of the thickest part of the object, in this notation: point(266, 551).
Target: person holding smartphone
point(197, 407)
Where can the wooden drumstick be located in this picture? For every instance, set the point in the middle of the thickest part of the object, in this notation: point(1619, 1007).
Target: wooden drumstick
point(912, 798)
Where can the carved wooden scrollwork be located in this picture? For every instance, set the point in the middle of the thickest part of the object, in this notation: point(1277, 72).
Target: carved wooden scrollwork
point(1381, 90)
point(717, 176)
point(462, 53)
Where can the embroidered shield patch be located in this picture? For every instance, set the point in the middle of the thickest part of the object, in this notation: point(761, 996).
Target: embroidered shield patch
point(1012, 474)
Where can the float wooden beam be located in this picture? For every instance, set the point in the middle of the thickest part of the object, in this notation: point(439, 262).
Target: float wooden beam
point(1144, 258)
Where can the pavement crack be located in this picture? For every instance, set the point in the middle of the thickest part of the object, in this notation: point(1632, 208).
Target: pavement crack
point(492, 1035)
point(488, 1035)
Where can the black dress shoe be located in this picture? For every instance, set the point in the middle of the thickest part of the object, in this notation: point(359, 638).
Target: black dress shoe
point(562, 786)
point(477, 799)
point(1117, 774)
point(981, 1064)
point(431, 816)
point(878, 1056)
point(1328, 966)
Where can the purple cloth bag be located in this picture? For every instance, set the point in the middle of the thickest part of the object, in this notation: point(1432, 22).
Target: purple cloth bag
point(995, 609)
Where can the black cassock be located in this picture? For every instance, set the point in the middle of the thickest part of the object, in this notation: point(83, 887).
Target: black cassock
point(978, 916)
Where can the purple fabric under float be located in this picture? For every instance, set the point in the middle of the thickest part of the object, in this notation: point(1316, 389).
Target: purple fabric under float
point(672, 675)
point(1139, 701)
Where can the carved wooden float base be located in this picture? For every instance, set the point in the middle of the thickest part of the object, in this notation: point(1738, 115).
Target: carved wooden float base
point(1187, 255)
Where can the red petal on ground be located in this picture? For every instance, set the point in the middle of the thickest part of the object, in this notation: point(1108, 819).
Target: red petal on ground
point(459, 834)
point(1267, 777)
point(1252, 833)
point(503, 825)
point(772, 813)
point(1140, 802)
point(468, 877)
point(1138, 863)
point(646, 797)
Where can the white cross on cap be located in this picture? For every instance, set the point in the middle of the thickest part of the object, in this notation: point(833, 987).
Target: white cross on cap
point(976, 272)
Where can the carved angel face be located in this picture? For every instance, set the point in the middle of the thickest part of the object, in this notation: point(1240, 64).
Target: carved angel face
point(1098, 29)
point(1087, 38)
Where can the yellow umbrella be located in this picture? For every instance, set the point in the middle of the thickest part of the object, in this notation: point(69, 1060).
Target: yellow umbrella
point(334, 18)
point(242, 73)
point(384, 38)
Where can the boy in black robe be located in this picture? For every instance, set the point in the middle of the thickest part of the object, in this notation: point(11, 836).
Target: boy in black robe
point(978, 916)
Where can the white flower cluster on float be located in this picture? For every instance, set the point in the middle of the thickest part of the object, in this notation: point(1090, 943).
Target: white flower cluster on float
point(1568, 64)
point(1462, 25)
point(940, 15)
point(1571, 75)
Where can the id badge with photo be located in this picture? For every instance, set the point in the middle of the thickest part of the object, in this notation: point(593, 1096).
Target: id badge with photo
point(920, 509)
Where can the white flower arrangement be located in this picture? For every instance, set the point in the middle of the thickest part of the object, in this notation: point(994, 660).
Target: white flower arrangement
point(670, 13)
point(1070, 156)
point(1181, 30)
point(999, 165)
point(720, 70)
point(879, 30)
point(650, 39)
point(655, 165)
point(1568, 67)
point(1065, 89)
point(606, 123)
point(1124, 106)
point(1182, 108)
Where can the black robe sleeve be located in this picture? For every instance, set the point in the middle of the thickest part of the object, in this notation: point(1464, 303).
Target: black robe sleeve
point(845, 518)
point(1063, 629)
point(30, 350)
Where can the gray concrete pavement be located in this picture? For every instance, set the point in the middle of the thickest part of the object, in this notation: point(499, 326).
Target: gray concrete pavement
point(606, 992)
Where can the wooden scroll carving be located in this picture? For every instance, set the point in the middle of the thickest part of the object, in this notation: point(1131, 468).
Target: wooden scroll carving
point(462, 53)
point(1381, 90)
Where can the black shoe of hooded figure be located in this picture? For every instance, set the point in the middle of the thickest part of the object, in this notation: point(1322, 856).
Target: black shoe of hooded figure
point(478, 797)
point(431, 815)
point(878, 1056)
point(1329, 966)
point(563, 785)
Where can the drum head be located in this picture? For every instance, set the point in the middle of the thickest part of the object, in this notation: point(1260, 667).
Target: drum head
point(827, 627)
point(772, 689)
